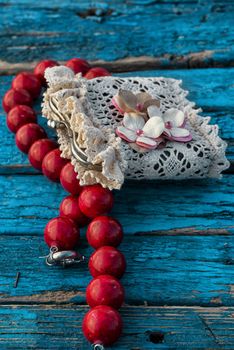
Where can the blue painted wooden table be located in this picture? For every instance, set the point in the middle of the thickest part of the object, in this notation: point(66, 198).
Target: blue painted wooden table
point(178, 236)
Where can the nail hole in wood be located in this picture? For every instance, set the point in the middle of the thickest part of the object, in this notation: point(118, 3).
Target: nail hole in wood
point(95, 12)
point(156, 337)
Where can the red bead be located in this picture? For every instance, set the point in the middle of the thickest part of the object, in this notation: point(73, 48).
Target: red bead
point(107, 261)
point(69, 207)
point(105, 290)
point(95, 200)
point(40, 68)
point(14, 97)
point(29, 82)
point(104, 230)
point(19, 116)
point(68, 179)
point(78, 65)
point(61, 233)
point(52, 165)
point(39, 150)
point(27, 135)
point(96, 72)
point(102, 325)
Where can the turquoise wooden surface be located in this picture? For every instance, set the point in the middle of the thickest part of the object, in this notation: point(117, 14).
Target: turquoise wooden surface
point(179, 270)
point(186, 33)
point(178, 236)
point(42, 327)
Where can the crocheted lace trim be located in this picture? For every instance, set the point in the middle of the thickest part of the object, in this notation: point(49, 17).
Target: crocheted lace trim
point(91, 115)
point(99, 141)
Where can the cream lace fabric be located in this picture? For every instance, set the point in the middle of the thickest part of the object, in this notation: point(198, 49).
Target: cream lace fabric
point(93, 119)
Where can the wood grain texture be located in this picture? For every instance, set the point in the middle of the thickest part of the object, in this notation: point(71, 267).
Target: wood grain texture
point(178, 236)
point(145, 328)
point(168, 30)
point(210, 89)
point(179, 270)
point(28, 202)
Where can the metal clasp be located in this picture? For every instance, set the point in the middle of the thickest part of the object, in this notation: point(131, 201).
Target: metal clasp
point(98, 347)
point(64, 257)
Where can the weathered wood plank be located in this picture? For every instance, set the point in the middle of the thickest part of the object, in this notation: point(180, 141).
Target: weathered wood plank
point(49, 327)
point(179, 270)
point(128, 64)
point(211, 89)
point(28, 202)
point(168, 31)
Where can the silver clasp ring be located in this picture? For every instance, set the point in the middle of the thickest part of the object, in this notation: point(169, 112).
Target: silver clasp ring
point(64, 257)
point(98, 347)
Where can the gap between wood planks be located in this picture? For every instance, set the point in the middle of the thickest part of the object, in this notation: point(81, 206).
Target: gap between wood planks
point(183, 231)
point(188, 231)
point(203, 59)
point(65, 298)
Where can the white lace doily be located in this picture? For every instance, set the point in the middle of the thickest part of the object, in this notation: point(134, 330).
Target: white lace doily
point(91, 115)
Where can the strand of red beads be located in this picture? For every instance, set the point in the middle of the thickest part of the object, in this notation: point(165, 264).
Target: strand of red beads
point(85, 205)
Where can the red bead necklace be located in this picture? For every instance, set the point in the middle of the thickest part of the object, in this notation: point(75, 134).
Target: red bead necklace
point(102, 325)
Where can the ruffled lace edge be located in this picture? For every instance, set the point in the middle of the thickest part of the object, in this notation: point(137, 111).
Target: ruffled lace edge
point(100, 143)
